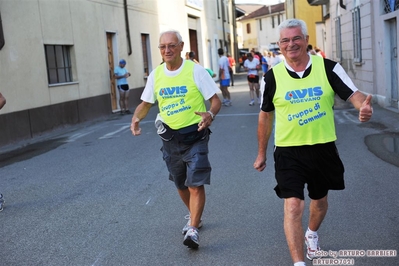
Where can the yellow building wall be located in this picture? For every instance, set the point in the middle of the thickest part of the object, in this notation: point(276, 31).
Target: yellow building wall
point(301, 9)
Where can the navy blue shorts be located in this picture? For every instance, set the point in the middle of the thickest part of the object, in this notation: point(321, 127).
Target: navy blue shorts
point(123, 87)
point(188, 164)
point(318, 166)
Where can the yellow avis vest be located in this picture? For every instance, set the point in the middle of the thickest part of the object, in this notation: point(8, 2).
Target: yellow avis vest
point(178, 97)
point(303, 107)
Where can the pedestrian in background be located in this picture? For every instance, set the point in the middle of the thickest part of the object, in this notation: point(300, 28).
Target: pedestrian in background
point(310, 50)
point(252, 65)
point(265, 64)
point(224, 77)
point(183, 125)
point(2, 103)
point(121, 74)
point(254, 54)
point(232, 64)
point(191, 56)
point(305, 151)
point(319, 52)
point(273, 59)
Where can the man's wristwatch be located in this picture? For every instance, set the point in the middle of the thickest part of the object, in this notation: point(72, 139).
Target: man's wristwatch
point(212, 115)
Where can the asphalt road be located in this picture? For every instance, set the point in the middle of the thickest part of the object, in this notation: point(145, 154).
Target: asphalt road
point(95, 195)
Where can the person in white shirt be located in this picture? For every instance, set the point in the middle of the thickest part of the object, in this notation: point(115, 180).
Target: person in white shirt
point(181, 87)
point(252, 65)
point(224, 77)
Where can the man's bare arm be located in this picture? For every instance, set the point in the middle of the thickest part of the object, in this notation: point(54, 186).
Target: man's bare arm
point(139, 114)
point(265, 127)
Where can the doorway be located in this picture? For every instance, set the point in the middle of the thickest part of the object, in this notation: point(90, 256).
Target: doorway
point(194, 43)
point(111, 39)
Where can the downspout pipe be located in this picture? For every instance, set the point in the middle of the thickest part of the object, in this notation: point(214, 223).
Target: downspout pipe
point(341, 4)
point(223, 24)
point(2, 42)
point(236, 53)
point(129, 43)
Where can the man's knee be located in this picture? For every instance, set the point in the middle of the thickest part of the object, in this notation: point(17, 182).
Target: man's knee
point(293, 206)
point(196, 190)
point(320, 204)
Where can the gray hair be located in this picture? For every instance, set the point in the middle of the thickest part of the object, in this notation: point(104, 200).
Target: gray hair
point(175, 32)
point(293, 23)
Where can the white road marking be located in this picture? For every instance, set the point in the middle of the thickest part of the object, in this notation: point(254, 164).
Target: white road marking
point(77, 136)
point(109, 135)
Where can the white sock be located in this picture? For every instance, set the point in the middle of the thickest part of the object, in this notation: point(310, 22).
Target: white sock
point(310, 232)
point(300, 263)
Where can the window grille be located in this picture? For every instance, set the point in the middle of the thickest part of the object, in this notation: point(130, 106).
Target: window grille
point(338, 44)
point(58, 59)
point(357, 38)
point(390, 5)
point(144, 46)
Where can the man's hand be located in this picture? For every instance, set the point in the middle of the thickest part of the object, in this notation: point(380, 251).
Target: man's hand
point(260, 163)
point(366, 111)
point(135, 127)
point(206, 120)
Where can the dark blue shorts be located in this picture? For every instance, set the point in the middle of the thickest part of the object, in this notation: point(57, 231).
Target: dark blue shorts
point(188, 165)
point(318, 166)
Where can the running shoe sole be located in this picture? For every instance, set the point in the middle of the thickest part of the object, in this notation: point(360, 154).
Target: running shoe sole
point(190, 243)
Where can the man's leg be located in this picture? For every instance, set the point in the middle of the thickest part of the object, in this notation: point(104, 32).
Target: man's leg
point(223, 89)
point(122, 100)
point(228, 94)
point(318, 210)
point(127, 102)
point(185, 197)
point(293, 211)
point(197, 204)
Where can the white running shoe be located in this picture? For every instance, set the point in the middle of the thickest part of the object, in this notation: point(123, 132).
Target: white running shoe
point(191, 239)
point(252, 103)
point(312, 244)
point(188, 224)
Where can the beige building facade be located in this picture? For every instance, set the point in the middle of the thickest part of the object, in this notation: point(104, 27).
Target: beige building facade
point(260, 27)
point(363, 36)
point(57, 56)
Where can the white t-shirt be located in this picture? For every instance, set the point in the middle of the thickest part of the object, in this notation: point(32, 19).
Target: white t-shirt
point(252, 65)
point(224, 64)
point(275, 60)
point(205, 84)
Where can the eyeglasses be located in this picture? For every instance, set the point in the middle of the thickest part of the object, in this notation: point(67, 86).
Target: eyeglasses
point(163, 47)
point(295, 40)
